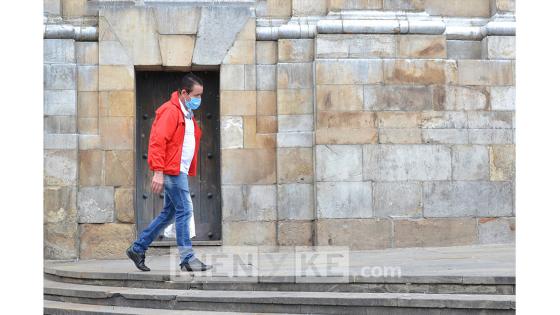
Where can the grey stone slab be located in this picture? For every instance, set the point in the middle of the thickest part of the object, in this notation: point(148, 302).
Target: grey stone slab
point(177, 19)
point(231, 130)
point(295, 201)
point(491, 136)
point(290, 123)
point(266, 77)
point(294, 139)
point(502, 97)
point(217, 29)
point(444, 119)
point(59, 51)
point(496, 230)
point(445, 136)
point(294, 75)
point(398, 98)
point(490, 120)
point(397, 199)
point(96, 204)
point(464, 49)
point(386, 162)
point(60, 102)
point(344, 200)
point(470, 162)
point(60, 167)
point(339, 162)
point(60, 141)
point(467, 198)
point(59, 76)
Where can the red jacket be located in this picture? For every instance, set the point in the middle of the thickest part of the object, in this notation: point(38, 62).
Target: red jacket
point(166, 139)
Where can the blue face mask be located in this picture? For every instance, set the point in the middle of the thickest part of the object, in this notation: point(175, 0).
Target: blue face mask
point(194, 103)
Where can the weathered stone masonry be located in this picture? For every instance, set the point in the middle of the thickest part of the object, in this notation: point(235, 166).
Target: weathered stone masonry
point(371, 124)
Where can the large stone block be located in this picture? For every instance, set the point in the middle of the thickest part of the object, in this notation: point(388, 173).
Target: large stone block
point(60, 240)
point(401, 98)
point(462, 98)
point(248, 166)
point(356, 46)
point(464, 49)
point(490, 136)
point(295, 202)
point(445, 136)
point(230, 77)
point(88, 125)
point(479, 8)
point(231, 128)
point(266, 75)
point(346, 127)
point(295, 233)
point(59, 76)
point(238, 103)
point(435, 232)
point(250, 203)
point(136, 29)
point(421, 46)
point(96, 204)
point(117, 133)
point(59, 124)
point(339, 162)
point(289, 123)
point(176, 50)
point(337, 5)
point(177, 20)
point(119, 168)
point(388, 162)
point(502, 6)
point(52, 7)
point(267, 52)
point(467, 198)
point(242, 52)
point(295, 165)
point(296, 50)
point(60, 204)
point(400, 135)
point(266, 103)
point(373, 233)
point(105, 241)
point(112, 52)
point(59, 102)
point(444, 120)
point(419, 71)
point(88, 78)
point(251, 233)
point(116, 78)
point(295, 101)
point(124, 204)
point(60, 141)
point(92, 167)
point(309, 7)
point(88, 104)
point(470, 162)
point(295, 75)
point(344, 200)
point(397, 199)
point(498, 47)
point(60, 167)
point(116, 104)
point(349, 71)
point(346, 136)
point(340, 97)
point(217, 30)
point(502, 97)
point(398, 119)
point(87, 53)
point(89, 142)
point(489, 120)
point(59, 51)
point(294, 139)
point(407, 5)
point(267, 124)
point(485, 72)
point(496, 230)
point(76, 8)
point(502, 162)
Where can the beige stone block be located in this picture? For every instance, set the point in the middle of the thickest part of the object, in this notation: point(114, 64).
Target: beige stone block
point(88, 125)
point(356, 46)
point(88, 104)
point(350, 71)
point(502, 162)
point(124, 204)
point(309, 7)
point(265, 140)
point(248, 166)
point(76, 8)
point(176, 50)
point(60, 167)
point(502, 6)
point(117, 133)
point(340, 97)
point(92, 167)
point(88, 78)
point(249, 233)
point(478, 8)
point(373, 233)
point(398, 120)
point(294, 75)
point(249, 131)
point(399, 135)
point(295, 165)
point(116, 104)
point(417, 71)
point(176, 20)
point(119, 168)
point(346, 136)
point(60, 240)
point(278, 8)
point(295, 101)
point(350, 120)
point(105, 241)
point(267, 52)
point(404, 5)
point(267, 124)
point(295, 233)
point(242, 52)
point(486, 72)
point(243, 103)
point(89, 142)
point(116, 78)
point(59, 204)
point(398, 97)
point(435, 232)
point(296, 50)
point(422, 46)
point(337, 5)
point(249, 31)
point(266, 103)
point(461, 98)
point(87, 53)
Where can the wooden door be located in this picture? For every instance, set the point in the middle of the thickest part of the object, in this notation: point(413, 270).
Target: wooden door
point(152, 90)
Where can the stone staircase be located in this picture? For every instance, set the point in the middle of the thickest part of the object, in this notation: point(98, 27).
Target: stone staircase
point(115, 287)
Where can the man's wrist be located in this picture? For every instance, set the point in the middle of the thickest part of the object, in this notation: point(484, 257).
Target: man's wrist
point(158, 172)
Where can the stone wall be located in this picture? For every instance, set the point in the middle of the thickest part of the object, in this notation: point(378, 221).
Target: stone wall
point(371, 140)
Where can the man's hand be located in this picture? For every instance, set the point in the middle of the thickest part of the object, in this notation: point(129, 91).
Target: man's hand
point(157, 182)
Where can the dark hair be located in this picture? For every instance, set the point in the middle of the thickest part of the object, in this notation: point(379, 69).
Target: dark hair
point(189, 81)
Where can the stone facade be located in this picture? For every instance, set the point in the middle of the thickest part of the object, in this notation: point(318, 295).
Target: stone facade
point(366, 137)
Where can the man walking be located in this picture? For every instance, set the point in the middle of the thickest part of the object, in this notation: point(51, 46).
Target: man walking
point(172, 155)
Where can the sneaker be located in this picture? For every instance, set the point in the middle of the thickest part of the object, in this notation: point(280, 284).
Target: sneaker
point(137, 258)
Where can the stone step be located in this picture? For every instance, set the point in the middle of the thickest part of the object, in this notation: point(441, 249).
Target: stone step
point(280, 301)
point(65, 308)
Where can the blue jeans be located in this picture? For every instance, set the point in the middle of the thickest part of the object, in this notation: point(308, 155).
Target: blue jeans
point(176, 203)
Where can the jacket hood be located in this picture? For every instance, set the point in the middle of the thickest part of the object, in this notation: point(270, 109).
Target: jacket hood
point(175, 99)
